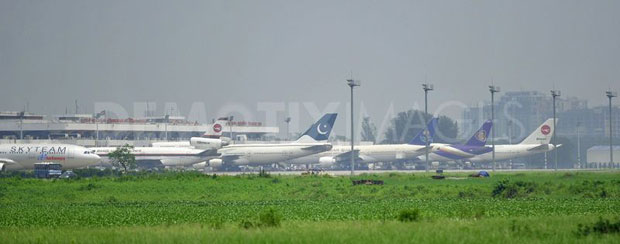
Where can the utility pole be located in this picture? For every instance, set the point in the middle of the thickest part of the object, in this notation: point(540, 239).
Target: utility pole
point(21, 125)
point(554, 94)
point(493, 89)
point(610, 95)
point(230, 122)
point(352, 83)
point(426, 87)
point(287, 120)
point(578, 145)
point(166, 118)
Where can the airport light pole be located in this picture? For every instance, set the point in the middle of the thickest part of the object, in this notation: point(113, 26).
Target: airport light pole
point(426, 87)
point(493, 89)
point(21, 124)
point(230, 122)
point(287, 120)
point(578, 145)
point(554, 94)
point(352, 83)
point(166, 118)
point(610, 95)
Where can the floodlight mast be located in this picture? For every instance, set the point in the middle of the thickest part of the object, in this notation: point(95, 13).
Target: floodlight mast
point(554, 94)
point(610, 95)
point(352, 83)
point(493, 89)
point(426, 87)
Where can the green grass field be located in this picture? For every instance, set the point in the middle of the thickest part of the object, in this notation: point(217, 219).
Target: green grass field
point(190, 207)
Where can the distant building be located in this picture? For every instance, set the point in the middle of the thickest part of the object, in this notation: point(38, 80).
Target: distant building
point(598, 156)
point(86, 126)
point(518, 113)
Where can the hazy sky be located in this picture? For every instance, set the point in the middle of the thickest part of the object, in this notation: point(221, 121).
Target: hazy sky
point(247, 52)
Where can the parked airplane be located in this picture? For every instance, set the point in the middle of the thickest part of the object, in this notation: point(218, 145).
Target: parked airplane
point(455, 152)
point(212, 139)
point(537, 142)
point(168, 156)
point(370, 153)
point(313, 141)
point(24, 156)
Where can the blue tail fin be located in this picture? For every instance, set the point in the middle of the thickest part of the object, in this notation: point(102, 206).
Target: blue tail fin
point(479, 138)
point(420, 138)
point(320, 130)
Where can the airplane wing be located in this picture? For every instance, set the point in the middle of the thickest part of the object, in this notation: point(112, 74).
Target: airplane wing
point(423, 149)
point(314, 148)
point(346, 156)
point(209, 152)
point(539, 147)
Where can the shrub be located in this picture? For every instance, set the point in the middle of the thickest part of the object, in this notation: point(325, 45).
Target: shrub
point(516, 189)
point(247, 224)
point(602, 226)
point(270, 218)
point(409, 215)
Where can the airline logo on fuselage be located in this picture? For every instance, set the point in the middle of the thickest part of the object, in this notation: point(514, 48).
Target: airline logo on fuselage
point(38, 149)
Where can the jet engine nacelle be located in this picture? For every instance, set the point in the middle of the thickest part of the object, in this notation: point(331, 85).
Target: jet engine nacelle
point(327, 161)
point(215, 163)
point(206, 143)
point(200, 165)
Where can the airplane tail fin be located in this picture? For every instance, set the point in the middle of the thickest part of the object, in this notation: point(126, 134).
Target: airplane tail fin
point(479, 138)
point(215, 131)
point(420, 138)
point(542, 134)
point(320, 130)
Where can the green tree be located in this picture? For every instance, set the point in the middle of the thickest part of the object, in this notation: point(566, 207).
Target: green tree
point(123, 157)
point(409, 123)
point(369, 130)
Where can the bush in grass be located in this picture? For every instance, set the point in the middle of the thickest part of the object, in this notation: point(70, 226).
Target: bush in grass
point(247, 224)
point(602, 226)
point(515, 189)
point(409, 215)
point(270, 218)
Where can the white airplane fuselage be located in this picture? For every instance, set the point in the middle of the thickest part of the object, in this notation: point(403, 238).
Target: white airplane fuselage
point(505, 152)
point(168, 156)
point(368, 153)
point(249, 154)
point(24, 156)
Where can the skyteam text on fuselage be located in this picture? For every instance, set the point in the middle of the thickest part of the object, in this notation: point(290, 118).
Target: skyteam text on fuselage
point(24, 156)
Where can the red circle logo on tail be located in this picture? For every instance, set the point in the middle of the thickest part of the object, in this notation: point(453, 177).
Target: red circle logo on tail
point(217, 128)
point(545, 129)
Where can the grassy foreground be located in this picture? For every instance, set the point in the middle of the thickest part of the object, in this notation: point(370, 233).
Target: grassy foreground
point(189, 207)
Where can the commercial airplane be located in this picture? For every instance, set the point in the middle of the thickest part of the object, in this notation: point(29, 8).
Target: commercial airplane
point(370, 153)
point(458, 152)
point(313, 141)
point(537, 142)
point(212, 139)
point(168, 156)
point(24, 156)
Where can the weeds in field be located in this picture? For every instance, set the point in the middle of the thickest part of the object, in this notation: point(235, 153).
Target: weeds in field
point(602, 226)
point(409, 215)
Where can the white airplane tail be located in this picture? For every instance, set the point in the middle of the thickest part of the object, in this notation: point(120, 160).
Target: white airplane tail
point(542, 135)
point(215, 131)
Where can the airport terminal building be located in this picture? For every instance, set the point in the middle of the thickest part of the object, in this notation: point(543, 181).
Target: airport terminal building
point(16, 125)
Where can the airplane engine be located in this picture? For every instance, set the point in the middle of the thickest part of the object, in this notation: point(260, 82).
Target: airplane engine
point(327, 161)
point(200, 165)
point(207, 143)
point(215, 163)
